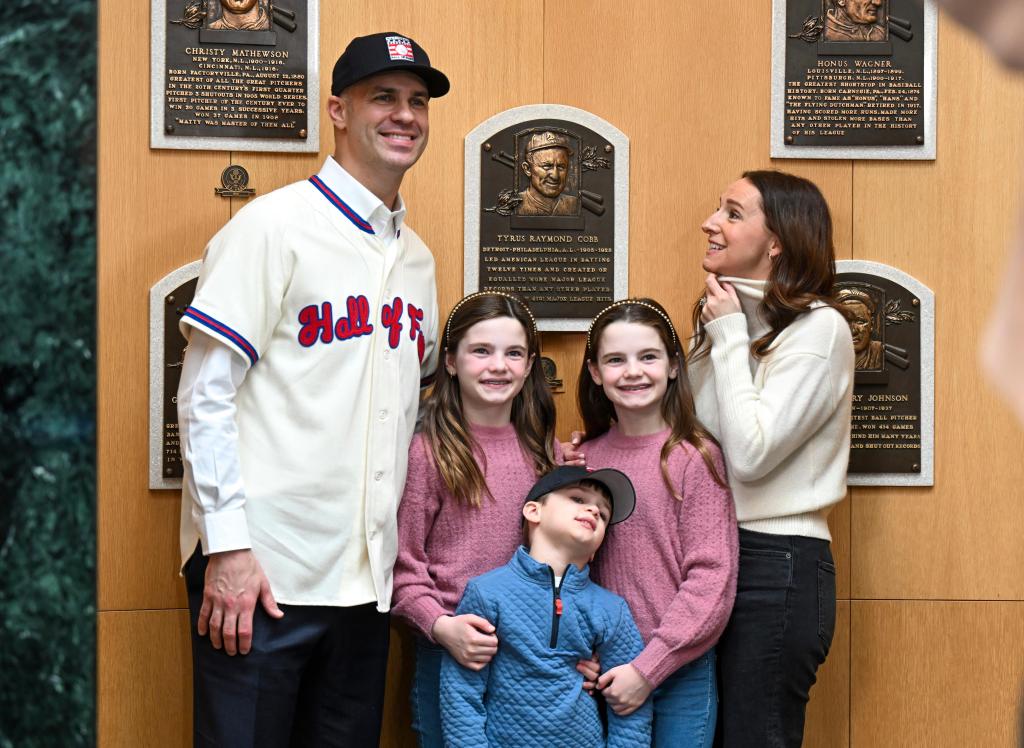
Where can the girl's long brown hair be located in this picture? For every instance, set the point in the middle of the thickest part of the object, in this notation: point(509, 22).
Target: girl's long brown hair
point(677, 406)
point(533, 411)
point(803, 273)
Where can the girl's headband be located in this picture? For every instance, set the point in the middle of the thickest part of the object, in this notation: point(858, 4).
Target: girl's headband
point(635, 302)
point(451, 315)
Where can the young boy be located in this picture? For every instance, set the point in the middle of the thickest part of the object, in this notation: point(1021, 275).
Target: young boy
point(548, 615)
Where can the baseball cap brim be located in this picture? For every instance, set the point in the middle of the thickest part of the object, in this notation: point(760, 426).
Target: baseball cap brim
point(437, 82)
point(618, 484)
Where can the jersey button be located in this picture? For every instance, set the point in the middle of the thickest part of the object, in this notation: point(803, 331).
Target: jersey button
point(383, 415)
point(378, 475)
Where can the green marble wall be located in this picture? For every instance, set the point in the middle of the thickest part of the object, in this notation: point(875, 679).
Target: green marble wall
point(47, 373)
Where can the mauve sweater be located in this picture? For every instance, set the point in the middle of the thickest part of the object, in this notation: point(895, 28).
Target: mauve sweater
point(442, 544)
point(673, 561)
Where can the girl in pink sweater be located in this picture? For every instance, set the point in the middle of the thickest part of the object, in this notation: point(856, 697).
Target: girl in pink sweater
point(487, 434)
point(676, 561)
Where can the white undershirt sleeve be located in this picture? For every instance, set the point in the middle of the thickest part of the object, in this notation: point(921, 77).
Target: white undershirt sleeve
point(210, 377)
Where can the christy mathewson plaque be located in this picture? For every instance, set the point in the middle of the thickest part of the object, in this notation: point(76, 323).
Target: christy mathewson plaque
point(239, 75)
point(547, 212)
point(853, 79)
point(892, 321)
point(168, 300)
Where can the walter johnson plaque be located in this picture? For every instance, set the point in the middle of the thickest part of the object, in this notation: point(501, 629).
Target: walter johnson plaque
point(853, 79)
point(891, 317)
point(547, 212)
point(168, 300)
point(235, 75)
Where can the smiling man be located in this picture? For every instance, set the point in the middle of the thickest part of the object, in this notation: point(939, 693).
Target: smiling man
point(312, 325)
point(856, 21)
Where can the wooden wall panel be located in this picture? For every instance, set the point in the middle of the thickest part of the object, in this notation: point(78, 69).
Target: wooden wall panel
point(947, 223)
point(936, 674)
point(156, 210)
point(828, 713)
point(144, 679)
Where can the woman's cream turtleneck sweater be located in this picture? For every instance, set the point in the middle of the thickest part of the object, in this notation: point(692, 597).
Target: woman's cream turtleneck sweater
point(784, 421)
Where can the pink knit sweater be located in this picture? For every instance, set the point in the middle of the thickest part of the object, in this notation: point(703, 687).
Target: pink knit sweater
point(442, 544)
point(674, 561)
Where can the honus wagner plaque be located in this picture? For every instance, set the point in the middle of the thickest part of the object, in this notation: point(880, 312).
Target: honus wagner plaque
point(892, 321)
point(853, 79)
point(235, 75)
point(547, 212)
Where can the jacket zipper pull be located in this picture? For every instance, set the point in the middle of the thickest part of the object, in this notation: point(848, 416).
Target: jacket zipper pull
point(558, 606)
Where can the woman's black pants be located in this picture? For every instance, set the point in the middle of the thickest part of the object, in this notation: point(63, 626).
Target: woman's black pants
point(779, 633)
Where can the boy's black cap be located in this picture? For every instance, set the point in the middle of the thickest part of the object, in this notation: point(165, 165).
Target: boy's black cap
point(383, 53)
point(618, 485)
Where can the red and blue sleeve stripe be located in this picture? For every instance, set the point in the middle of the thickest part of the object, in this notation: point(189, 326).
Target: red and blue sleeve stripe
point(223, 331)
point(341, 205)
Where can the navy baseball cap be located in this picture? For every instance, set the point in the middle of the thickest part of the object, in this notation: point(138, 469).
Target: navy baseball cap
point(618, 485)
point(383, 53)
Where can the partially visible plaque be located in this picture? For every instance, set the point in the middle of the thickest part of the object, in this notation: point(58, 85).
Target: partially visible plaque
point(239, 75)
point(892, 320)
point(547, 212)
point(853, 79)
point(168, 300)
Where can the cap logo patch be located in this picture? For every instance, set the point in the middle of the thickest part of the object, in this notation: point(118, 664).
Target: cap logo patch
point(400, 48)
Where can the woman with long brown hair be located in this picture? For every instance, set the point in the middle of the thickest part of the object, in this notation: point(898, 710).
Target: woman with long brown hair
point(771, 366)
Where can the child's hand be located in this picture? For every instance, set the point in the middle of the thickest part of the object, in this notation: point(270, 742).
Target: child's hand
point(590, 670)
point(468, 638)
point(571, 452)
point(624, 689)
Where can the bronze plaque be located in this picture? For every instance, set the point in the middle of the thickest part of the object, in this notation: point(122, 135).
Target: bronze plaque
point(857, 74)
point(168, 300)
point(891, 324)
point(548, 214)
point(235, 70)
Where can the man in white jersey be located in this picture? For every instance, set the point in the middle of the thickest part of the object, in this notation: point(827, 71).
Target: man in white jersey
point(313, 323)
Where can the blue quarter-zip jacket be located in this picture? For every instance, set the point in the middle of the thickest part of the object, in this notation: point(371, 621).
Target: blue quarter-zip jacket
point(530, 695)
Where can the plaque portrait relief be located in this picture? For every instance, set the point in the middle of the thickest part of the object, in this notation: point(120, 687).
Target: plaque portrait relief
point(241, 15)
point(856, 21)
point(870, 314)
point(867, 346)
point(547, 157)
point(546, 212)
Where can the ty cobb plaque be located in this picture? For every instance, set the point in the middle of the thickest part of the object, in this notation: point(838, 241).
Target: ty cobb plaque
point(547, 214)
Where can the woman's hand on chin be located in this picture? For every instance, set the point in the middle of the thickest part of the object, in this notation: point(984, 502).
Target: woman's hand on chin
point(719, 300)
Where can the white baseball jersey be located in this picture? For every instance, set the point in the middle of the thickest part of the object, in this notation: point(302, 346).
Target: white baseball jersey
point(338, 328)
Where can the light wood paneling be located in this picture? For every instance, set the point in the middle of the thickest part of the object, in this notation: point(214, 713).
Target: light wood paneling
point(947, 223)
point(828, 713)
point(935, 674)
point(839, 526)
point(144, 679)
point(156, 210)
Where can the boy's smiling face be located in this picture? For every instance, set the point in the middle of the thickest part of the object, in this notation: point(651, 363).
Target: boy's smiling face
point(574, 518)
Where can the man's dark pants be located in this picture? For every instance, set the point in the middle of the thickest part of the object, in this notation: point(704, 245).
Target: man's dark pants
point(312, 678)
